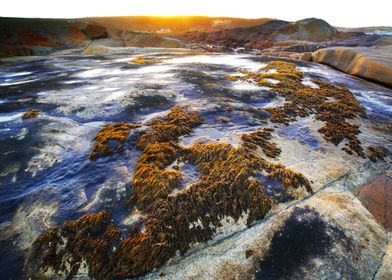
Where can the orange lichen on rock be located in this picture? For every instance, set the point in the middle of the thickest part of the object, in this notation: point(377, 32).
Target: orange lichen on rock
point(262, 138)
point(117, 132)
point(30, 114)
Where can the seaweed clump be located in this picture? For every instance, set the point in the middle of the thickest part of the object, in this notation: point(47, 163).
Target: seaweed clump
point(172, 222)
point(145, 60)
point(329, 103)
point(151, 181)
point(262, 138)
point(116, 132)
point(90, 238)
point(376, 153)
point(30, 114)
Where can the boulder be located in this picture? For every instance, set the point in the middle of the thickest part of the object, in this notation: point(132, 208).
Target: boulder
point(372, 63)
point(306, 56)
point(384, 41)
point(136, 39)
point(311, 29)
point(94, 31)
point(76, 36)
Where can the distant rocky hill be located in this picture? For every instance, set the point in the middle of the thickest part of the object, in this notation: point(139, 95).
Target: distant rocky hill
point(174, 25)
point(23, 36)
point(266, 34)
point(281, 37)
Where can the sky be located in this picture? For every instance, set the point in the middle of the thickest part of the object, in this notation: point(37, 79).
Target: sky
point(344, 13)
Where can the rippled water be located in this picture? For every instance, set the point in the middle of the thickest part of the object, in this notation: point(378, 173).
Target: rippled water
point(45, 175)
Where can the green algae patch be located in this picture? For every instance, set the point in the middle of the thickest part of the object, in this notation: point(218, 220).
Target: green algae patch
point(172, 222)
point(117, 132)
point(31, 114)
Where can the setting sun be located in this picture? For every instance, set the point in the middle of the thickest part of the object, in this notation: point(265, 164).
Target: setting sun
point(338, 13)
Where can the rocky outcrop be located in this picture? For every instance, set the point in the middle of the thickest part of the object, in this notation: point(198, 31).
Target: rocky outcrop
point(303, 35)
point(314, 239)
point(311, 29)
point(135, 39)
point(94, 31)
point(374, 63)
point(27, 37)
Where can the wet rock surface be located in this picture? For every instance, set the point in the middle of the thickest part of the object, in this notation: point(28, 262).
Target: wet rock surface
point(171, 180)
point(373, 63)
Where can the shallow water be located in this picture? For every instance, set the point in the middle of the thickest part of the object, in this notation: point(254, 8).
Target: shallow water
point(45, 175)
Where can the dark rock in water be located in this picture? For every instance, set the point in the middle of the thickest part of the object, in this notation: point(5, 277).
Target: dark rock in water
point(94, 31)
point(305, 237)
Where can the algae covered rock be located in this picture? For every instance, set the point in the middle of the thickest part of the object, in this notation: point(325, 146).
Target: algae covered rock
point(328, 236)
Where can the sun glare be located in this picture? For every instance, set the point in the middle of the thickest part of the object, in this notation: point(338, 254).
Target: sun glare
point(335, 12)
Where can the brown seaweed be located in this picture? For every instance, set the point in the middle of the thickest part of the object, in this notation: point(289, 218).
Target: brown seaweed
point(117, 132)
point(262, 138)
point(172, 222)
point(30, 114)
point(329, 103)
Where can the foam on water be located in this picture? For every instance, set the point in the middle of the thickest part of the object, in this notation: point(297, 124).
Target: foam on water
point(7, 118)
point(225, 60)
point(17, 82)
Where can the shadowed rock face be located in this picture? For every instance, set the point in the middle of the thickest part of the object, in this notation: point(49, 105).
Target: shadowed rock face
point(305, 236)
